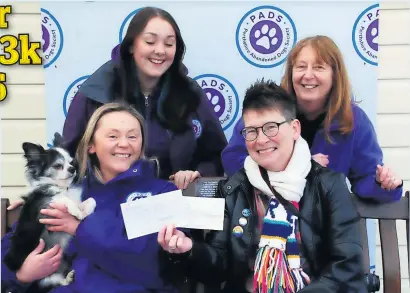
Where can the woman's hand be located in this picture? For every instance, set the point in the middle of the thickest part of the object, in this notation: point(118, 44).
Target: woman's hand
point(386, 178)
point(173, 240)
point(321, 159)
point(183, 178)
point(39, 265)
point(62, 221)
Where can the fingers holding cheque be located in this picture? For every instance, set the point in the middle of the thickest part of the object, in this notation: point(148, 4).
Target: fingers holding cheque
point(173, 240)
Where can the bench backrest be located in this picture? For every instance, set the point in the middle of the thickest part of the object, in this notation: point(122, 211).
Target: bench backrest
point(386, 214)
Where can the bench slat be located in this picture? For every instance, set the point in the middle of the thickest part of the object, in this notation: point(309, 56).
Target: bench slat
point(398, 210)
point(4, 204)
point(390, 256)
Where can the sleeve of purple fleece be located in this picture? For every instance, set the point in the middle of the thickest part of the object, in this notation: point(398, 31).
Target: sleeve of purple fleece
point(212, 141)
point(235, 153)
point(75, 122)
point(9, 281)
point(367, 154)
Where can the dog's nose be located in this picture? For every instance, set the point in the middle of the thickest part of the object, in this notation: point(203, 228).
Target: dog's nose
point(71, 170)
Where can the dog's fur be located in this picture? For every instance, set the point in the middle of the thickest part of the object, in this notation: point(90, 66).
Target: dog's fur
point(52, 175)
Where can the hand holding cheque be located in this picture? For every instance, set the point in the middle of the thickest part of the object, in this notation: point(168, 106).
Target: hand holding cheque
point(149, 215)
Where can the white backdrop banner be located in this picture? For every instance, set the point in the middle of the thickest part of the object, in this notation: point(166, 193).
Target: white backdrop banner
point(229, 46)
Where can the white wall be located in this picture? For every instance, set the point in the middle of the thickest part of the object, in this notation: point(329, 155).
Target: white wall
point(393, 114)
point(23, 112)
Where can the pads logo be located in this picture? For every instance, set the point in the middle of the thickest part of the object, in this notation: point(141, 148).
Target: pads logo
point(196, 125)
point(222, 96)
point(125, 24)
point(365, 34)
point(52, 36)
point(137, 195)
point(71, 92)
point(265, 35)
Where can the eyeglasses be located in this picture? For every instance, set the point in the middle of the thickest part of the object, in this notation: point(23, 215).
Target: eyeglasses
point(270, 129)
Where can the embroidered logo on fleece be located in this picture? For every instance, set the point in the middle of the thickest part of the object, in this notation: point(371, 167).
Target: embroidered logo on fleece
point(196, 125)
point(137, 195)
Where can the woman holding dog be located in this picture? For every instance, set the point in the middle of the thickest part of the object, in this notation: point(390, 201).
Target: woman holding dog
point(112, 162)
point(339, 133)
point(184, 133)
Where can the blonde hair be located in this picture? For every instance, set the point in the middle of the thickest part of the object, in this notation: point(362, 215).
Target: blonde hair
point(340, 96)
point(82, 155)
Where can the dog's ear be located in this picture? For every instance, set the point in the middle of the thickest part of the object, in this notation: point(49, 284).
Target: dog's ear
point(58, 140)
point(33, 151)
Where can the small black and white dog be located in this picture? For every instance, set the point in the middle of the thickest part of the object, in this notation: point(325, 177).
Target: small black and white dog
point(52, 175)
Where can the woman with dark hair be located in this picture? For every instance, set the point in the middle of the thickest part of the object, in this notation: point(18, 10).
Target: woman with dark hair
point(147, 72)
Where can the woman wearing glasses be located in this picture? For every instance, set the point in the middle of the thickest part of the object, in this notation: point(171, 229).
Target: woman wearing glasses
point(339, 133)
point(282, 207)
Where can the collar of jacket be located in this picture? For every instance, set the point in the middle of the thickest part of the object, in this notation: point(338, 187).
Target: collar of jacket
point(99, 86)
point(140, 168)
point(234, 181)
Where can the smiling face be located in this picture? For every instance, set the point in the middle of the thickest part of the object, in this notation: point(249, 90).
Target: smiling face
point(117, 143)
point(272, 153)
point(312, 81)
point(154, 49)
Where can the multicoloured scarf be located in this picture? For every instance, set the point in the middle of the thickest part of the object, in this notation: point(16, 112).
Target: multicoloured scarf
point(277, 265)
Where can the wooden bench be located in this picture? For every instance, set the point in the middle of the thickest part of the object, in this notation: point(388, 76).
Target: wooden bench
point(386, 215)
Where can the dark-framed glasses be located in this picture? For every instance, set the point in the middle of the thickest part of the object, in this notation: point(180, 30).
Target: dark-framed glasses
point(270, 129)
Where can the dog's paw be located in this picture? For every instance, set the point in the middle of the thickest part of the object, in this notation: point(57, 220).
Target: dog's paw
point(72, 207)
point(69, 279)
point(75, 210)
point(88, 206)
point(52, 280)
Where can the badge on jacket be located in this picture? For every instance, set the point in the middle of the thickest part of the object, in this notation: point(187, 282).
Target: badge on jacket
point(197, 127)
point(137, 195)
point(237, 231)
point(246, 212)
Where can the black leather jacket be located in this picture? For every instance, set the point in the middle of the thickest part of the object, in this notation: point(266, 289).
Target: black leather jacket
point(331, 242)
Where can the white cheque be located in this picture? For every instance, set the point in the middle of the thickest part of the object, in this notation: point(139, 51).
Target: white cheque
point(148, 215)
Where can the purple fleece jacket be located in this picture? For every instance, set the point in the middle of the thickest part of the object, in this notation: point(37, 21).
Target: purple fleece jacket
point(105, 261)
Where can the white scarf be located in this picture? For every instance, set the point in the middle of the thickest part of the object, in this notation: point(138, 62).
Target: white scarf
point(291, 182)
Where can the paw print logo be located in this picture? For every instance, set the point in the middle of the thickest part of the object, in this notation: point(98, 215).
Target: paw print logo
point(217, 100)
point(45, 42)
point(51, 34)
point(365, 34)
point(222, 97)
point(266, 37)
point(372, 35)
point(71, 92)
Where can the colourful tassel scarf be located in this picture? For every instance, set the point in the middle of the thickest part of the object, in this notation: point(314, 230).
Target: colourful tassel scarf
point(277, 265)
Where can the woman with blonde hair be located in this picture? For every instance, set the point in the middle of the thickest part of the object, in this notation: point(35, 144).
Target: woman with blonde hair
point(339, 133)
point(110, 155)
